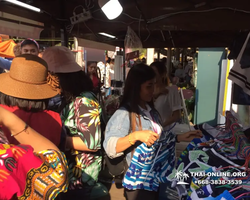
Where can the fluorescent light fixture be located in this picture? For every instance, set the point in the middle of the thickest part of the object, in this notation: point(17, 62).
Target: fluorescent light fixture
point(111, 8)
point(107, 35)
point(25, 5)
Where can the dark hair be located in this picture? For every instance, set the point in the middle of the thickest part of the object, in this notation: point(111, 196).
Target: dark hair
point(29, 42)
point(73, 84)
point(24, 104)
point(108, 60)
point(91, 62)
point(164, 60)
point(162, 69)
point(137, 75)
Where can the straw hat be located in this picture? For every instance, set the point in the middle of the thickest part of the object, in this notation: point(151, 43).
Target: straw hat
point(60, 60)
point(27, 79)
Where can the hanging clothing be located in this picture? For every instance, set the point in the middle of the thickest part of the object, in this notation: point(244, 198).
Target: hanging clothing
point(82, 118)
point(28, 175)
point(239, 75)
point(6, 49)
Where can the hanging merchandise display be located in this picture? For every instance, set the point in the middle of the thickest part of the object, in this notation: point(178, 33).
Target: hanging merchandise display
point(118, 67)
point(133, 48)
point(239, 74)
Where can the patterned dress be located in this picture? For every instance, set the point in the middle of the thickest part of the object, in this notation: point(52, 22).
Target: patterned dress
point(26, 175)
point(82, 118)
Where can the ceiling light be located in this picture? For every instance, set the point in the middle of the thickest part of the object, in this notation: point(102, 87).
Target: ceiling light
point(111, 8)
point(25, 5)
point(107, 35)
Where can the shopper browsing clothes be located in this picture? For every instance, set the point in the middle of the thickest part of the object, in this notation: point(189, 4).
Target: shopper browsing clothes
point(179, 73)
point(167, 100)
point(81, 115)
point(26, 169)
point(136, 130)
point(26, 91)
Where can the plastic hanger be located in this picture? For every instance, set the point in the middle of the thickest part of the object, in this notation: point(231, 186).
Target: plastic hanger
point(244, 194)
point(247, 197)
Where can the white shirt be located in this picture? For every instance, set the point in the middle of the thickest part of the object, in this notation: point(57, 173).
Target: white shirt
point(111, 73)
point(168, 103)
point(156, 127)
point(102, 70)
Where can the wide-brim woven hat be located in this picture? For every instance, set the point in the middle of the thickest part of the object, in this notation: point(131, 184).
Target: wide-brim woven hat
point(27, 79)
point(60, 59)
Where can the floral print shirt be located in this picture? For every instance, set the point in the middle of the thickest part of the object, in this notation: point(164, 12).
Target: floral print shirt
point(82, 118)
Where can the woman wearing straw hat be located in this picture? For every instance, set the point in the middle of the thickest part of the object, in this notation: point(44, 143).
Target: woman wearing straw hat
point(27, 169)
point(81, 115)
point(25, 91)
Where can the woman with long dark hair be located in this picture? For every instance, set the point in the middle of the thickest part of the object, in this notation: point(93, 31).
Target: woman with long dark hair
point(81, 115)
point(135, 130)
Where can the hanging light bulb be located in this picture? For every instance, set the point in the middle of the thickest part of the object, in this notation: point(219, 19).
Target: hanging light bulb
point(111, 8)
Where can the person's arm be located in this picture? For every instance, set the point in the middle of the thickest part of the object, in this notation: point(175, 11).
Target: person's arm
point(146, 136)
point(86, 136)
point(24, 134)
point(77, 144)
point(117, 137)
point(174, 118)
point(189, 136)
point(5, 64)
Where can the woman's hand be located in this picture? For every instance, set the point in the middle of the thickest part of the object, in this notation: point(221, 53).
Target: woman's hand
point(148, 137)
point(189, 136)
